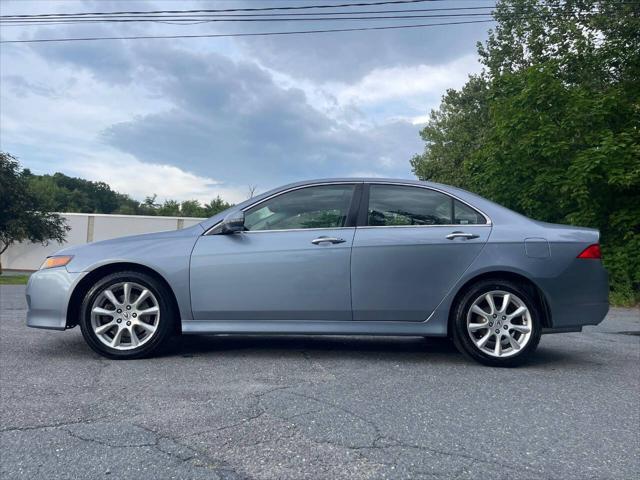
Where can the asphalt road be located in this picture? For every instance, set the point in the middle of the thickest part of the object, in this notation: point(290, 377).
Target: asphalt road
point(234, 407)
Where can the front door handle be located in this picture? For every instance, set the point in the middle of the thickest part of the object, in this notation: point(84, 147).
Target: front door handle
point(321, 240)
point(468, 236)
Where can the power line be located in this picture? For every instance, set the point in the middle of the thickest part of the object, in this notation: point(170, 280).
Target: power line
point(295, 7)
point(280, 14)
point(285, 17)
point(307, 19)
point(206, 19)
point(193, 20)
point(116, 17)
point(253, 34)
point(243, 15)
point(329, 16)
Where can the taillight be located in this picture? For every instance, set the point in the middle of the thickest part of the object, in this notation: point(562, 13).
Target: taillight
point(592, 251)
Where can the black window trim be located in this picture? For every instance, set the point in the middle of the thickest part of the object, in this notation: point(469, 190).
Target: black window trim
point(358, 210)
point(350, 221)
point(363, 216)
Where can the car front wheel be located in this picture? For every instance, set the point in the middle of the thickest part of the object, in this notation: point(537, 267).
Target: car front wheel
point(497, 323)
point(127, 315)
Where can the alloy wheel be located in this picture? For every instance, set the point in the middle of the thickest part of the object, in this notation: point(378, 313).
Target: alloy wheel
point(499, 323)
point(125, 315)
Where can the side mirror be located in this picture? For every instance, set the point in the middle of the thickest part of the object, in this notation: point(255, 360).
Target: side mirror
point(234, 222)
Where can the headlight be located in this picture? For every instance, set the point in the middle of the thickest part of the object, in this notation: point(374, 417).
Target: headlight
point(56, 261)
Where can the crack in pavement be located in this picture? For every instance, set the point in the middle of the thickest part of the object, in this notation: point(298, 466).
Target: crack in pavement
point(196, 458)
point(213, 464)
point(316, 364)
point(341, 408)
point(105, 443)
point(221, 468)
point(401, 444)
point(308, 414)
point(395, 442)
point(234, 425)
point(53, 425)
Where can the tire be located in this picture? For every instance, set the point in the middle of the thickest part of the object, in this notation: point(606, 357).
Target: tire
point(487, 334)
point(123, 328)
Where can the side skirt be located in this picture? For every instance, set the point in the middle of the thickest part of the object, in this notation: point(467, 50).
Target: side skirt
point(290, 327)
point(562, 329)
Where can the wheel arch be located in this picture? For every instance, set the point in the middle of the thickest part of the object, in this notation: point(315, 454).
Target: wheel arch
point(75, 301)
point(535, 291)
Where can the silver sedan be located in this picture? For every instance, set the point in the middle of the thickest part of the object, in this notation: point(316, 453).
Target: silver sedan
point(334, 257)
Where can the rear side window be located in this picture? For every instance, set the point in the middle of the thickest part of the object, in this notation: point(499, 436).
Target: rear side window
point(398, 205)
point(393, 205)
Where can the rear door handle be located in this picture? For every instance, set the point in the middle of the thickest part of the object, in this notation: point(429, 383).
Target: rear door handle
point(321, 240)
point(468, 236)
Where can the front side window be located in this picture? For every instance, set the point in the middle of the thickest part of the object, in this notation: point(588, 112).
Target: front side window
point(324, 206)
point(394, 205)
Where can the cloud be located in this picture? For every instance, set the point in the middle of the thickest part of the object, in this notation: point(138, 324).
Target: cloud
point(190, 125)
point(129, 175)
point(396, 83)
point(347, 57)
point(232, 121)
point(193, 118)
point(22, 87)
point(384, 94)
point(112, 63)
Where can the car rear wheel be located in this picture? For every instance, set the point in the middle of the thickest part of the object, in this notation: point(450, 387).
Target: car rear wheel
point(497, 323)
point(127, 315)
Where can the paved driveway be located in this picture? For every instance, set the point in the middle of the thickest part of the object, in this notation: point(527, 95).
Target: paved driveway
point(320, 408)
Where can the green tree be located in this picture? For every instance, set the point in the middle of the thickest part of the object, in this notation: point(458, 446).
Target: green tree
point(191, 208)
point(453, 132)
point(149, 206)
point(22, 215)
point(170, 208)
point(215, 206)
point(62, 193)
point(551, 127)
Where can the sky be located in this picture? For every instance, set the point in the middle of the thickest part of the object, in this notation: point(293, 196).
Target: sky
point(201, 117)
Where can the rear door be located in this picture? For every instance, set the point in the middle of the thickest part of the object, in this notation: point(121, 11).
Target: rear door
point(411, 245)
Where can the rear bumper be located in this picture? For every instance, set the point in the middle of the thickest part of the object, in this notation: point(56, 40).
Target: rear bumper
point(48, 294)
point(578, 315)
point(580, 296)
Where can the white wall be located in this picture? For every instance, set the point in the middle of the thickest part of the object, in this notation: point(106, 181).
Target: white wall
point(89, 227)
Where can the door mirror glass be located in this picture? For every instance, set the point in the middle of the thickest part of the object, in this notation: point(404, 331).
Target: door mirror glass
point(234, 222)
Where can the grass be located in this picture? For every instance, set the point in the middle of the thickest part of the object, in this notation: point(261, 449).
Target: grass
point(13, 279)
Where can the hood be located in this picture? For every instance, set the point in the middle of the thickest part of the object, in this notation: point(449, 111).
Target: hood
point(191, 231)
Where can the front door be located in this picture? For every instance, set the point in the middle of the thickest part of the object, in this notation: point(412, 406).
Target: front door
point(414, 245)
point(291, 263)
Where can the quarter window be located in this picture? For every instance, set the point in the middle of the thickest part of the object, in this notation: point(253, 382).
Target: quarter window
point(465, 215)
point(394, 205)
point(324, 206)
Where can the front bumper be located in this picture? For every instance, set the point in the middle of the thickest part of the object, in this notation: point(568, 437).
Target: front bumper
point(48, 295)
